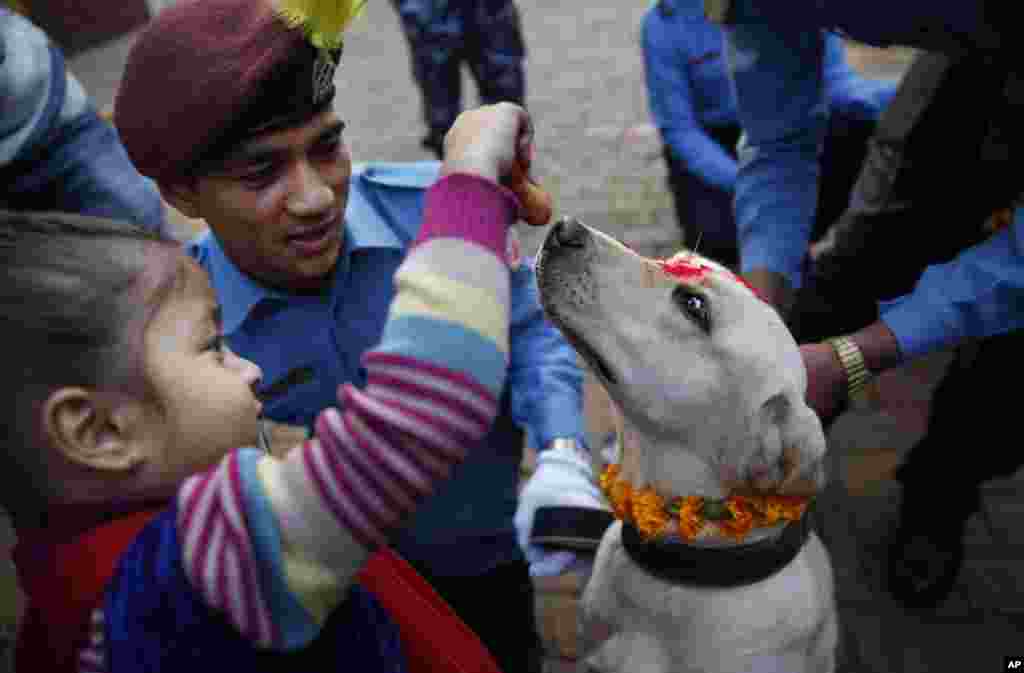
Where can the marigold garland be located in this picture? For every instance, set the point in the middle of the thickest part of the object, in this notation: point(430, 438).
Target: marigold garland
point(734, 516)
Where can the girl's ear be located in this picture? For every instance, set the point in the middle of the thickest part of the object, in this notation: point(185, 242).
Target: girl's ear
point(96, 431)
point(183, 197)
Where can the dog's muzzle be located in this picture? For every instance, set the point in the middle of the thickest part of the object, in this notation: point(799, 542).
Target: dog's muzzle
point(568, 232)
point(566, 235)
point(681, 563)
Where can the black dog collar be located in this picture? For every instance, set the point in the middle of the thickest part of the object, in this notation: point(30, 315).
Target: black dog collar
point(681, 563)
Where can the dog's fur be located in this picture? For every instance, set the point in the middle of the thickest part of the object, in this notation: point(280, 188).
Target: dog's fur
point(711, 401)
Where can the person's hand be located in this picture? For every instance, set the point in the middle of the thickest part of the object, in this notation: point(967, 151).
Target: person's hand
point(496, 142)
point(488, 141)
point(826, 380)
point(563, 478)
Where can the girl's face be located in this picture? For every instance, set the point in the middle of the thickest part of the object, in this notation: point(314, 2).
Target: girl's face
point(205, 390)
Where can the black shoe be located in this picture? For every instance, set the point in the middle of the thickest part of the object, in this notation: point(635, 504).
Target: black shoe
point(923, 565)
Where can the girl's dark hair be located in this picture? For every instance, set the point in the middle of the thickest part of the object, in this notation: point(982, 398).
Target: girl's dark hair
point(68, 294)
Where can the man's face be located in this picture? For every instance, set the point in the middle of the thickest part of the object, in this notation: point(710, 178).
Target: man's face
point(277, 203)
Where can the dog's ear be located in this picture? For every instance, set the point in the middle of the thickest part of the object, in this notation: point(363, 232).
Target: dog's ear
point(792, 445)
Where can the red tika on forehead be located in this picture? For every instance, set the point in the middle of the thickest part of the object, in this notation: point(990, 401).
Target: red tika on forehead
point(688, 267)
point(683, 267)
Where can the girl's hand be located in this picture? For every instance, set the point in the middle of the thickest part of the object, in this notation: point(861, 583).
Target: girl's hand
point(496, 142)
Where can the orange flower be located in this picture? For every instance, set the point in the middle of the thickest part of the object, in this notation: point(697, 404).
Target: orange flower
point(691, 521)
point(742, 520)
point(649, 512)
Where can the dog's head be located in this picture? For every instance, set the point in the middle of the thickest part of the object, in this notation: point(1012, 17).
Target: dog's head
point(698, 365)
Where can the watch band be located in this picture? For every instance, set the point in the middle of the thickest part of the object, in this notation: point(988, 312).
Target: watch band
point(569, 443)
point(852, 360)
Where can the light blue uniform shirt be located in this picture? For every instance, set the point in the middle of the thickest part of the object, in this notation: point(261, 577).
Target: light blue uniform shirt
point(467, 526)
point(782, 106)
point(689, 90)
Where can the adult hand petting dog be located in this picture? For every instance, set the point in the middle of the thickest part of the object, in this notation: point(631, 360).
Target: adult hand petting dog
point(826, 380)
point(826, 377)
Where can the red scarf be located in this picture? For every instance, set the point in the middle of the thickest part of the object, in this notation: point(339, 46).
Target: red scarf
point(64, 579)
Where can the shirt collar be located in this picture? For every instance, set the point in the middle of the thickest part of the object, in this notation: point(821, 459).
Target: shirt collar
point(238, 293)
point(364, 227)
point(367, 225)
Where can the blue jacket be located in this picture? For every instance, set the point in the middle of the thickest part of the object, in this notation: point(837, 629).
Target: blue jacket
point(466, 528)
point(55, 151)
point(688, 87)
point(783, 106)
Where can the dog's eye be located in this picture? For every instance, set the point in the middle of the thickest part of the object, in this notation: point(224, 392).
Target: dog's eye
point(694, 305)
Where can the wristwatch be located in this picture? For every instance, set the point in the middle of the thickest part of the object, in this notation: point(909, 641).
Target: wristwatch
point(570, 443)
point(852, 360)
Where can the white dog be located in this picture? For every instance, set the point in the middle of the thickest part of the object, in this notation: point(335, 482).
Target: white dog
point(710, 386)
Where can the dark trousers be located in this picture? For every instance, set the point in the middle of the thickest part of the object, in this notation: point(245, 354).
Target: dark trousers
point(936, 169)
point(937, 166)
point(971, 435)
point(486, 35)
point(498, 606)
point(703, 212)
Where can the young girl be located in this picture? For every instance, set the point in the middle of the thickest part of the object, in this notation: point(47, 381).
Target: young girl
point(146, 542)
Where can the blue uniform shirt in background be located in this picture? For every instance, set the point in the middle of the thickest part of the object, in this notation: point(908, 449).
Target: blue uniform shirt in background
point(689, 90)
point(466, 528)
point(782, 104)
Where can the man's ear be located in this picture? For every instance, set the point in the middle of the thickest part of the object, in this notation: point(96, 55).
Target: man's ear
point(95, 430)
point(184, 197)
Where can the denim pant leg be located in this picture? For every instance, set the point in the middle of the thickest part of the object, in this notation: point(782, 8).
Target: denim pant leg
point(434, 31)
point(495, 51)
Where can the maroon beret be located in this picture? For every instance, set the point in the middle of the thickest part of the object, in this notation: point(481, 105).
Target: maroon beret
point(203, 75)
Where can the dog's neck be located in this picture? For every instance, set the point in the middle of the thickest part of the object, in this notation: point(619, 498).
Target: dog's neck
point(672, 470)
point(665, 465)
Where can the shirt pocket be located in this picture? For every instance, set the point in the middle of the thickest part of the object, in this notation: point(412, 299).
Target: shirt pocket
point(297, 394)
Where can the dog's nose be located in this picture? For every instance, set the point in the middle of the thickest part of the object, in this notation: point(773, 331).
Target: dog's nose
point(570, 232)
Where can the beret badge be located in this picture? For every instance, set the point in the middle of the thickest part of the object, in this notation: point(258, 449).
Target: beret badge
point(323, 76)
point(324, 23)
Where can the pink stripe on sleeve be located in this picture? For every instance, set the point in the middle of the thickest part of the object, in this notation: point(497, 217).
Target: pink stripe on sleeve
point(469, 207)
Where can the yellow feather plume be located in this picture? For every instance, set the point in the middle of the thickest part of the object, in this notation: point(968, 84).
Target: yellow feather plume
point(323, 21)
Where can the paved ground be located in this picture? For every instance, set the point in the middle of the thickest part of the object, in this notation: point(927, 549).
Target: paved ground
point(585, 91)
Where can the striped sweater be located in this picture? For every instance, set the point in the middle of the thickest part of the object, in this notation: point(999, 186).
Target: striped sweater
point(274, 543)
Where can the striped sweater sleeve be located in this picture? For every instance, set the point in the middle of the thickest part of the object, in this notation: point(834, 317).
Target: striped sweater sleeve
point(274, 543)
